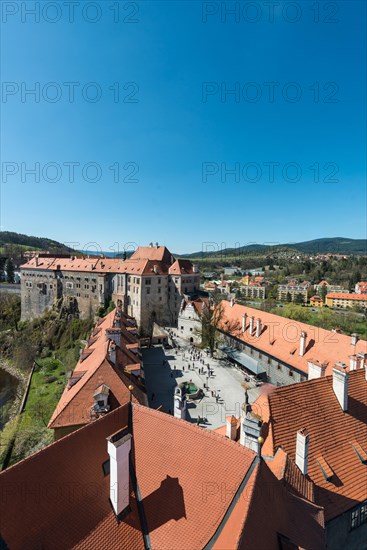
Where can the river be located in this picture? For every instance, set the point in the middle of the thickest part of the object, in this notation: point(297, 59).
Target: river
point(8, 386)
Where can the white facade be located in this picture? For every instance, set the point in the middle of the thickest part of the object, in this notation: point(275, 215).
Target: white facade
point(189, 323)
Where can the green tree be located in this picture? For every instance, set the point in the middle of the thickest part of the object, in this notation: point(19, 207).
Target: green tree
point(210, 321)
point(299, 299)
point(289, 297)
point(10, 271)
point(323, 292)
point(2, 267)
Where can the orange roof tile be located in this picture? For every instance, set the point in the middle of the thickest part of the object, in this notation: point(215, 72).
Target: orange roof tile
point(346, 296)
point(59, 498)
point(92, 370)
point(280, 338)
point(332, 435)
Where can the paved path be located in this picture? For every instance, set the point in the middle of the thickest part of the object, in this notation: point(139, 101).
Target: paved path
point(165, 369)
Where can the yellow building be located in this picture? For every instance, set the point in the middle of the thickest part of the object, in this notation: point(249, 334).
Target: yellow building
point(345, 299)
point(316, 301)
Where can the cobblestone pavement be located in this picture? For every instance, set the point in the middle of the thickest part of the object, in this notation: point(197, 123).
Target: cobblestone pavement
point(166, 368)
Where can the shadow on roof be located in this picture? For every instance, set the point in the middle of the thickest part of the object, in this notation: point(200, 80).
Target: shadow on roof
point(165, 504)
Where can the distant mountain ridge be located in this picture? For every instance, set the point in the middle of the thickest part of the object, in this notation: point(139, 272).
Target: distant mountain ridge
point(12, 242)
point(330, 245)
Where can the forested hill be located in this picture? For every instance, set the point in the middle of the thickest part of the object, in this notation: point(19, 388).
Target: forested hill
point(11, 242)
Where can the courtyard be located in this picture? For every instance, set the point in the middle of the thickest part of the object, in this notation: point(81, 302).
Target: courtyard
point(224, 388)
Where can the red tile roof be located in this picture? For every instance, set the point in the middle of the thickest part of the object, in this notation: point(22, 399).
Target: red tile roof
point(266, 510)
point(346, 296)
point(59, 498)
point(145, 261)
point(280, 338)
point(181, 267)
point(333, 435)
point(94, 369)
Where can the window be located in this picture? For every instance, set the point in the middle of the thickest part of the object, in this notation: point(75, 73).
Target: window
point(69, 285)
point(290, 372)
point(148, 290)
point(159, 280)
point(358, 516)
point(159, 290)
point(148, 281)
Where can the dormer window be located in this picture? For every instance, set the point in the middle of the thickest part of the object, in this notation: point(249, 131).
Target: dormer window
point(100, 398)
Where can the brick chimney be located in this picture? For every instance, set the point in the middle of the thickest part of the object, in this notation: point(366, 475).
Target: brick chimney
point(302, 343)
point(315, 369)
point(340, 384)
point(302, 443)
point(258, 327)
point(118, 447)
point(231, 427)
point(244, 322)
point(252, 321)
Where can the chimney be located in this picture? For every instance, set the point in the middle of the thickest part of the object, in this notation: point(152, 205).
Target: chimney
point(36, 257)
point(112, 352)
point(250, 431)
point(258, 327)
point(156, 245)
point(150, 245)
point(179, 409)
point(155, 269)
point(315, 370)
point(353, 361)
point(302, 343)
point(119, 446)
point(231, 427)
point(244, 322)
point(340, 384)
point(232, 302)
point(252, 320)
point(354, 339)
point(114, 335)
point(302, 443)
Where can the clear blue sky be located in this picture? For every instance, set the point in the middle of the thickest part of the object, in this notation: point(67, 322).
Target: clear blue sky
point(170, 132)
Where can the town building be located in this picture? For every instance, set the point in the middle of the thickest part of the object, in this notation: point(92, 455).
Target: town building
point(139, 479)
point(315, 436)
point(277, 350)
point(329, 287)
point(343, 300)
point(292, 291)
point(189, 319)
point(108, 365)
point(316, 301)
point(253, 290)
point(361, 287)
point(322, 427)
point(150, 285)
